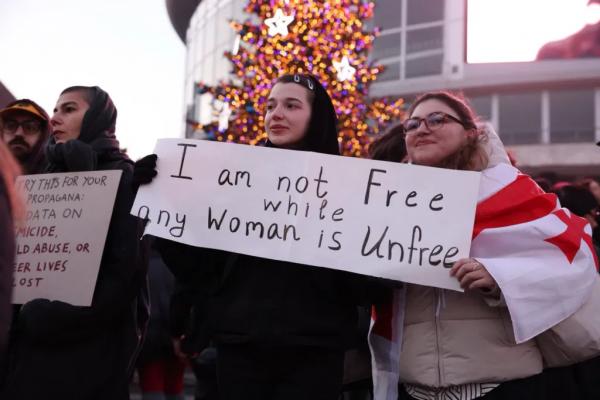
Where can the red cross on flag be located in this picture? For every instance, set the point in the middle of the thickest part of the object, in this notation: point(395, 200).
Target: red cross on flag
point(540, 255)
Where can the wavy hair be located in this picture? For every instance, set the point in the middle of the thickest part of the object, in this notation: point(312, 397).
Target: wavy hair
point(391, 146)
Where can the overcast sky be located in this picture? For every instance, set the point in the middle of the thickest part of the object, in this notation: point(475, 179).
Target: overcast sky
point(514, 30)
point(127, 47)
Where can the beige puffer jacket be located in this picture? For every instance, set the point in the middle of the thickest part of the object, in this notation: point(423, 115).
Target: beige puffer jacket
point(452, 338)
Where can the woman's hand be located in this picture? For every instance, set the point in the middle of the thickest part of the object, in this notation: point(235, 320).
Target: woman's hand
point(472, 275)
point(144, 170)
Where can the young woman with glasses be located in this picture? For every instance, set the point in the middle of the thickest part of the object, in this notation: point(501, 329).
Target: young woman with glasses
point(463, 345)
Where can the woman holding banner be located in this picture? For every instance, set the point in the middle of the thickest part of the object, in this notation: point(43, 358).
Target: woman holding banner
point(484, 343)
point(73, 352)
point(280, 328)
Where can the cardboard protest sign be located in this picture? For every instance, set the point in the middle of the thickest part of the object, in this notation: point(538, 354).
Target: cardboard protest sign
point(60, 245)
point(390, 220)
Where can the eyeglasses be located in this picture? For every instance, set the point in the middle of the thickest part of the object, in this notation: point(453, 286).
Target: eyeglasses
point(30, 126)
point(433, 121)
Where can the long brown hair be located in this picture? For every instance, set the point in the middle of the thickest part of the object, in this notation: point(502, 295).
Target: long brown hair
point(9, 170)
point(472, 156)
point(391, 146)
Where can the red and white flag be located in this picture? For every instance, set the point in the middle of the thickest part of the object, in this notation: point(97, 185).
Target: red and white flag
point(540, 255)
point(385, 341)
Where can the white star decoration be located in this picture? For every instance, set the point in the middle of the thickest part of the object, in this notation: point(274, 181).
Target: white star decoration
point(224, 117)
point(279, 23)
point(344, 70)
point(236, 45)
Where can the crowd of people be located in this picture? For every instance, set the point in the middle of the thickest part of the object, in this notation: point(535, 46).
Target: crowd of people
point(256, 328)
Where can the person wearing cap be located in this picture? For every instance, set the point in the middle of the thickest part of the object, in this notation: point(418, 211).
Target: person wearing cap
point(25, 128)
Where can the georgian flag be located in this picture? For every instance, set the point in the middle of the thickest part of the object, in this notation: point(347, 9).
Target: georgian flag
point(540, 255)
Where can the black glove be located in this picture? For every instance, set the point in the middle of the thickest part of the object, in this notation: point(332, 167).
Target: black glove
point(42, 320)
point(144, 170)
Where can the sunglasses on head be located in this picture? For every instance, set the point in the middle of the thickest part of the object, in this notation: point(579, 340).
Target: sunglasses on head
point(432, 121)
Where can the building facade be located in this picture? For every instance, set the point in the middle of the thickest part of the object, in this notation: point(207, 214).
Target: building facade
point(547, 112)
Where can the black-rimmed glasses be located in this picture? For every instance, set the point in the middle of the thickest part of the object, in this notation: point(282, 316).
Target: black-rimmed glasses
point(433, 121)
point(29, 126)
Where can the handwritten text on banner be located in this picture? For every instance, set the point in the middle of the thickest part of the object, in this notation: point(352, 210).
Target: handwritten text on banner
point(60, 245)
point(390, 220)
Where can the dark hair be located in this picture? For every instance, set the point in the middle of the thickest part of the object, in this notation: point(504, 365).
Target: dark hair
point(579, 200)
point(321, 134)
point(391, 146)
point(86, 91)
point(472, 156)
point(543, 183)
point(586, 182)
point(101, 118)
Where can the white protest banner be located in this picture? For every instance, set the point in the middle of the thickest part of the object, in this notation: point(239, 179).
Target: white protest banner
point(390, 220)
point(60, 245)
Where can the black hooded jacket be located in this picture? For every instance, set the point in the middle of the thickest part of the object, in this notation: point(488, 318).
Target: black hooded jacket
point(260, 301)
point(73, 352)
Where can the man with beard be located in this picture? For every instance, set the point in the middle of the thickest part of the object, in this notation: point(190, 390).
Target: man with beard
point(24, 128)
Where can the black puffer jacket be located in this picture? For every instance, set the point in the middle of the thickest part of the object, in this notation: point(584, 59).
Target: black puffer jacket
point(70, 352)
point(269, 302)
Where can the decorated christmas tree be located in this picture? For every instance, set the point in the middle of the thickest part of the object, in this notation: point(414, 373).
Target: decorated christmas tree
point(325, 38)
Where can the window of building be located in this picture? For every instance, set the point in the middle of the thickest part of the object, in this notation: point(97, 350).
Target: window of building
point(198, 45)
point(208, 34)
point(223, 66)
point(387, 45)
point(225, 32)
point(208, 69)
point(418, 40)
point(520, 118)
point(419, 11)
point(390, 73)
point(388, 14)
point(421, 32)
point(424, 66)
point(482, 106)
point(572, 116)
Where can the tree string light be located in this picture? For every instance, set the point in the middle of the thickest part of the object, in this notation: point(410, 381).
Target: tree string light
point(322, 33)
